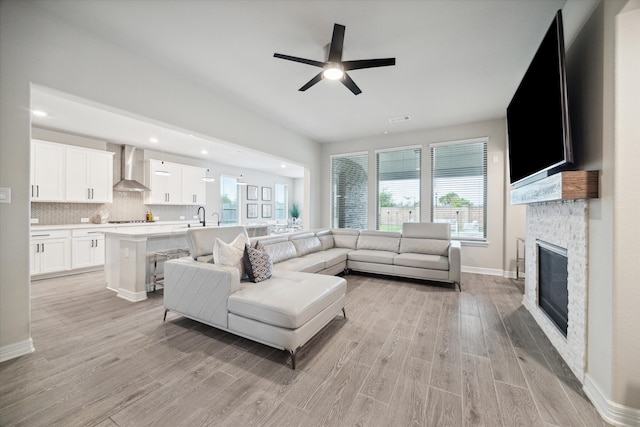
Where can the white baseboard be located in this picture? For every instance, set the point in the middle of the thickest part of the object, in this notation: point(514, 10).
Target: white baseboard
point(18, 349)
point(612, 412)
point(132, 296)
point(480, 270)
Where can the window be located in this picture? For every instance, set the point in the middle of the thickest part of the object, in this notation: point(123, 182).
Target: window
point(459, 190)
point(229, 200)
point(398, 181)
point(281, 201)
point(349, 191)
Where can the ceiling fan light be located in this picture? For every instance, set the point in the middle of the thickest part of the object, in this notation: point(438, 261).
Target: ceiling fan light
point(333, 71)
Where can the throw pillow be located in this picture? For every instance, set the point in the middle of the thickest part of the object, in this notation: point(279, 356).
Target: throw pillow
point(257, 264)
point(230, 254)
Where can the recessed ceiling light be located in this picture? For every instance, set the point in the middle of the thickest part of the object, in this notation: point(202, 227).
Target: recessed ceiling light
point(40, 113)
point(204, 152)
point(153, 139)
point(283, 165)
point(386, 132)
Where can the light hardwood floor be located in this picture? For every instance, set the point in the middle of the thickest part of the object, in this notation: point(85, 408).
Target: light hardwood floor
point(409, 353)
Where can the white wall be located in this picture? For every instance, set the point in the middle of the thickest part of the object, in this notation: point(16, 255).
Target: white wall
point(499, 254)
point(38, 48)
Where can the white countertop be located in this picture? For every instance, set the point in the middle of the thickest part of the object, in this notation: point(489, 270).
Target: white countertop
point(143, 230)
point(36, 227)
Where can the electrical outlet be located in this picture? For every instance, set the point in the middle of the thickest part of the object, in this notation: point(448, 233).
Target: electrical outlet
point(84, 220)
point(181, 216)
point(34, 220)
point(156, 218)
point(196, 217)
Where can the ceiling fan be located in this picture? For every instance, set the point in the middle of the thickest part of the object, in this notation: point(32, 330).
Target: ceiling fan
point(335, 68)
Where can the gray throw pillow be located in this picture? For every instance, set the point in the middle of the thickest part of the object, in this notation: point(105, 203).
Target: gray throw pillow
point(257, 264)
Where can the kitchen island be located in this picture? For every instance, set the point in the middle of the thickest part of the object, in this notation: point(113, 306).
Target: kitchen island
point(129, 257)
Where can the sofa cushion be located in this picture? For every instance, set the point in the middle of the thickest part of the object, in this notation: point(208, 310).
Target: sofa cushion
point(367, 255)
point(426, 230)
point(379, 241)
point(432, 262)
point(230, 254)
point(279, 251)
point(331, 256)
point(257, 264)
point(424, 246)
point(288, 299)
point(307, 245)
point(326, 241)
point(345, 238)
point(304, 264)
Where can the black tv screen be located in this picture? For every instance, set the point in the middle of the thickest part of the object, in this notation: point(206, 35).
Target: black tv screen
point(537, 116)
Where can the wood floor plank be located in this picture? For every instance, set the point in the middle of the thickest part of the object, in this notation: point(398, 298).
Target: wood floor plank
point(444, 409)
point(479, 400)
point(365, 411)
point(371, 344)
point(551, 400)
point(423, 342)
point(503, 359)
point(408, 404)
point(384, 372)
point(446, 372)
point(517, 406)
point(472, 338)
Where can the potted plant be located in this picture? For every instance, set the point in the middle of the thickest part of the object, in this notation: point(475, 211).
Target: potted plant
point(294, 212)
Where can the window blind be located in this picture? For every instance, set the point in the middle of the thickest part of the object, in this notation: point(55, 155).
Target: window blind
point(459, 188)
point(398, 188)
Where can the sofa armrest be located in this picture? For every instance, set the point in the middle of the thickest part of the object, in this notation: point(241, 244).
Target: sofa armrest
point(199, 290)
point(454, 261)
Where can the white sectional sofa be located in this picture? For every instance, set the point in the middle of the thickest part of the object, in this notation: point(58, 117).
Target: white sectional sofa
point(303, 293)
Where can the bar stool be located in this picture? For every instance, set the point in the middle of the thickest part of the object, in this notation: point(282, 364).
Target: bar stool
point(165, 256)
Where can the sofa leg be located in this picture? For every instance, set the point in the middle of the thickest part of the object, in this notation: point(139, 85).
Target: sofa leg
point(164, 319)
point(459, 285)
point(293, 359)
point(344, 313)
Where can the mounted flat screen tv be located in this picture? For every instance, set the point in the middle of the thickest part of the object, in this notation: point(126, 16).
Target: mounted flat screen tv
point(538, 116)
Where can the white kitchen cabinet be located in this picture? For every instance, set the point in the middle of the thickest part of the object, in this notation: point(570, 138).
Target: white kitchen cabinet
point(89, 175)
point(50, 251)
point(47, 172)
point(165, 190)
point(194, 189)
point(87, 248)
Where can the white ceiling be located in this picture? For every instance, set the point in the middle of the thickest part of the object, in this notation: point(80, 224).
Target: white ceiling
point(457, 61)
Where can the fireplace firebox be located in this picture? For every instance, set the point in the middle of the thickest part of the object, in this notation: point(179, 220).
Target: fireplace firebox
point(553, 294)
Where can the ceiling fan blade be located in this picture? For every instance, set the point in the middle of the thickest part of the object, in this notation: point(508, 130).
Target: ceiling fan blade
point(311, 82)
point(337, 40)
point(349, 83)
point(368, 63)
point(301, 60)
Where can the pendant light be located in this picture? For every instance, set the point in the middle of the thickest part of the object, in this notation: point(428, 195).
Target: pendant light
point(207, 176)
point(163, 171)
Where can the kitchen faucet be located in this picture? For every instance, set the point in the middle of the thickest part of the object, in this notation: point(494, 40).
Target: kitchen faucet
point(203, 221)
point(216, 213)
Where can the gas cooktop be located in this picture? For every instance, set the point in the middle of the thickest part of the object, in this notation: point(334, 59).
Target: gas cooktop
point(129, 221)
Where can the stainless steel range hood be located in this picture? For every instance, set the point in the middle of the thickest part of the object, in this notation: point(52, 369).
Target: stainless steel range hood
point(128, 170)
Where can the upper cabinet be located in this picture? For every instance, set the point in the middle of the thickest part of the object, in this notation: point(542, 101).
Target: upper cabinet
point(183, 185)
point(47, 172)
point(89, 176)
point(64, 173)
point(194, 189)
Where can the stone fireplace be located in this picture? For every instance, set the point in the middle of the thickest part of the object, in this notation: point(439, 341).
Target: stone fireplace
point(561, 224)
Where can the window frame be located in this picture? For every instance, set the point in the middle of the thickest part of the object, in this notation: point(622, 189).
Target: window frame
point(455, 235)
point(332, 196)
point(224, 178)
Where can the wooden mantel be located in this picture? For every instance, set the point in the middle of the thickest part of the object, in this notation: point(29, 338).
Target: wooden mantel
point(568, 185)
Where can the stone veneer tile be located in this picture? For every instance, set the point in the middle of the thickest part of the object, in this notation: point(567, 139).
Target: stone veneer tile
point(564, 224)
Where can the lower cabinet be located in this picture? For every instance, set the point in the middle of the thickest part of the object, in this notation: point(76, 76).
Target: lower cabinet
point(87, 249)
point(50, 251)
